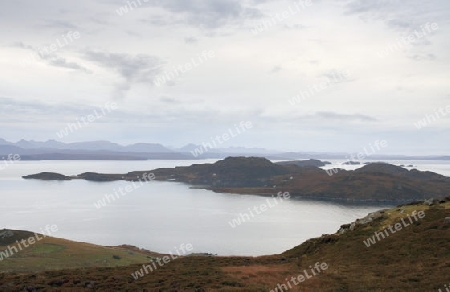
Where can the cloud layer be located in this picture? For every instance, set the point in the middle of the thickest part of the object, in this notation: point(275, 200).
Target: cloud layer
point(391, 85)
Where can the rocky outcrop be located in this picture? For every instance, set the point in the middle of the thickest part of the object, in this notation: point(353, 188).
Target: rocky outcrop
point(369, 218)
point(431, 202)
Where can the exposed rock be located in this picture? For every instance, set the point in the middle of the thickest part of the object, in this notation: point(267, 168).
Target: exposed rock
point(447, 220)
point(431, 202)
point(369, 218)
point(364, 220)
point(344, 228)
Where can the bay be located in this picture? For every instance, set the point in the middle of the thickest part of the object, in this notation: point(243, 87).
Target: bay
point(161, 216)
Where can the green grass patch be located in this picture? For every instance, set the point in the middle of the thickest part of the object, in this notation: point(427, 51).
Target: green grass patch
point(46, 248)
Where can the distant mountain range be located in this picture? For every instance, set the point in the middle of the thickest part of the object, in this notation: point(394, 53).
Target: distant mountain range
point(89, 146)
point(106, 150)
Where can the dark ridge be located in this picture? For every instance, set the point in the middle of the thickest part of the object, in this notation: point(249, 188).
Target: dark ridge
point(8, 236)
point(47, 176)
point(385, 168)
point(381, 167)
point(93, 176)
point(303, 163)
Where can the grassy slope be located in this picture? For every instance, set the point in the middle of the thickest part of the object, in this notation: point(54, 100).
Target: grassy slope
point(417, 258)
point(54, 254)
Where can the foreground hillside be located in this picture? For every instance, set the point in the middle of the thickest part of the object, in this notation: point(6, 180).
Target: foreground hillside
point(415, 257)
point(377, 182)
point(51, 253)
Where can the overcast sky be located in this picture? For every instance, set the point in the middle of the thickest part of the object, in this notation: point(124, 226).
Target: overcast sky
point(369, 75)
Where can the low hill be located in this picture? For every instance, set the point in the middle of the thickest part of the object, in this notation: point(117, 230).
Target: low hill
point(414, 258)
point(47, 176)
point(231, 172)
point(302, 163)
point(49, 253)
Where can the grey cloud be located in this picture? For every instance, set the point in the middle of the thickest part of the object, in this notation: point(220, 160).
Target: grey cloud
point(133, 34)
point(22, 46)
point(33, 111)
point(423, 57)
point(51, 59)
point(397, 14)
point(344, 117)
point(161, 21)
point(13, 110)
point(167, 99)
point(367, 6)
point(190, 40)
point(98, 20)
point(276, 69)
point(133, 68)
point(257, 2)
point(321, 118)
point(159, 111)
point(171, 83)
point(337, 76)
point(205, 14)
point(399, 23)
point(56, 23)
point(120, 89)
point(63, 63)
point(420, 43)
point(299, 26)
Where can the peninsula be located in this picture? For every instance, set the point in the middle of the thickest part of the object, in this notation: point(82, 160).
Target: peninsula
point(375, 182)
